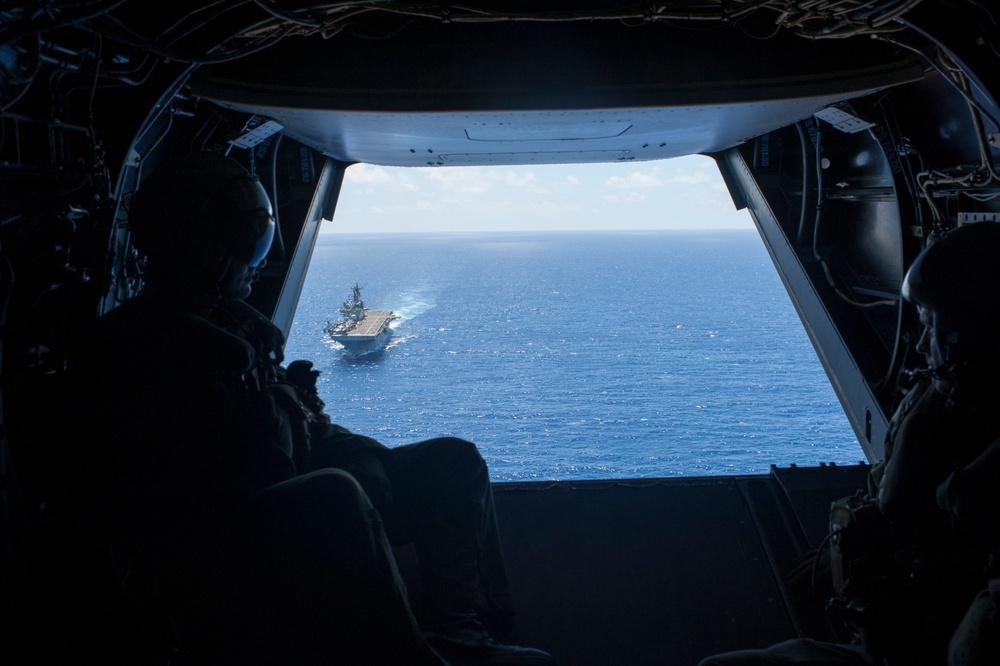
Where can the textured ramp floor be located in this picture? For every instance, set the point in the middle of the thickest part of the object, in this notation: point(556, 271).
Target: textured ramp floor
point(663, 571)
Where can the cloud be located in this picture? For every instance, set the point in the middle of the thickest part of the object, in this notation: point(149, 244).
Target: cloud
point(406, 184)
point(655, 177)
point(635, 179)
point(374, 180)
point(677, 193)
point(460, 182)
point(686, 178)
point(514, 179)
point(465, 182)
point(364, 174)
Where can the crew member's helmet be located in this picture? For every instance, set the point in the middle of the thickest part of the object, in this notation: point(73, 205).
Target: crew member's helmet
point(957, 278)
point(199, 213)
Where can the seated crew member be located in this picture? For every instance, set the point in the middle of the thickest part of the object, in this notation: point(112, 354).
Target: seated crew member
point(946, 424)
point(964, 301)
point(197, 463)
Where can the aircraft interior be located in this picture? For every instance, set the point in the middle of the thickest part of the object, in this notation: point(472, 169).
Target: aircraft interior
point(850, 129)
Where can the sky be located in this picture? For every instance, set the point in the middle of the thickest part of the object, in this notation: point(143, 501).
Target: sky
point(679, 193)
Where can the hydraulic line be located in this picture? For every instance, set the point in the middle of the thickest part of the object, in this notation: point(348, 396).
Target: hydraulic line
point(801, 237)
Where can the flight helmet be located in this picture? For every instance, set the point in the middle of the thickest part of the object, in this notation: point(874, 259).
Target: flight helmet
point(196, 216)
point(957, 278)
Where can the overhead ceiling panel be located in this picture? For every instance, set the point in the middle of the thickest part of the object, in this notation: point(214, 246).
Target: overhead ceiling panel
point(505, 94)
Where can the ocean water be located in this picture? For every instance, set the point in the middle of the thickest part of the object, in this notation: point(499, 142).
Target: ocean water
point(567, 355)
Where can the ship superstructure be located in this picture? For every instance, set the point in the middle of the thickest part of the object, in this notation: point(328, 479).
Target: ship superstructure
point(361, 331)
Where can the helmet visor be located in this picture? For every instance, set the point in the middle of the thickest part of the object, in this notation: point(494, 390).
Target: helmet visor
point(263, 245)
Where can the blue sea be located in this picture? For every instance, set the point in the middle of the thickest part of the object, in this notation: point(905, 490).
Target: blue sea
point(577, 355)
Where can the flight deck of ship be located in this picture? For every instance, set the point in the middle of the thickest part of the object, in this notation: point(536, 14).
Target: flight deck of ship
point(372, 324)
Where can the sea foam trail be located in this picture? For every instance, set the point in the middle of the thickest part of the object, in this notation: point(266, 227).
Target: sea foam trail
point(409, 305)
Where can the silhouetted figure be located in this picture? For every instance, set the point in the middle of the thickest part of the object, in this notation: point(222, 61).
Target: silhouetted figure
point(213, 471)
point(935, 500)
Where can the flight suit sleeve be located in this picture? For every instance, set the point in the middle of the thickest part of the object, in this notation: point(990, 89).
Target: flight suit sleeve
point(325, 444)
point(970, 497)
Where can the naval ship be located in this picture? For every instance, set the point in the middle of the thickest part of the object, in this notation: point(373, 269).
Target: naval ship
point(850, 130)
point(361, 331)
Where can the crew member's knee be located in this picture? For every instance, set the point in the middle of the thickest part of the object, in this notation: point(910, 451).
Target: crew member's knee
point(335, 490)
point(318, 496)
point(462, 454)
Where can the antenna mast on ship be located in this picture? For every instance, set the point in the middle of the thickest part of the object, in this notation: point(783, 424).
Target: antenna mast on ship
point(354, 309)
